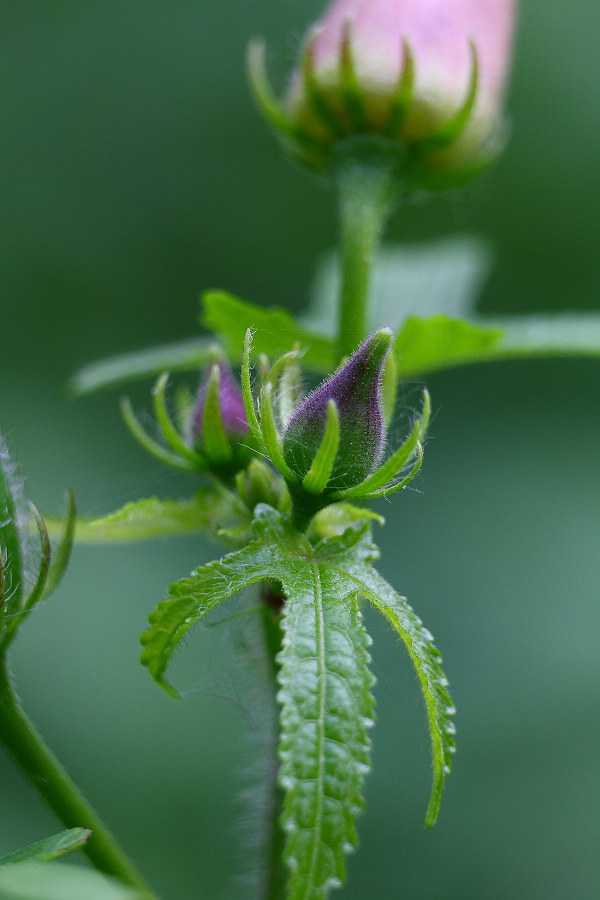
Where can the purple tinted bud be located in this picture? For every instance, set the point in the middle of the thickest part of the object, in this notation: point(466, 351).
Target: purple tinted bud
point(233, 414)
point(355, 389)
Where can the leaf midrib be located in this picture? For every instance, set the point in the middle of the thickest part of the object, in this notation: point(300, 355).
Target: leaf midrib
point(318, 595)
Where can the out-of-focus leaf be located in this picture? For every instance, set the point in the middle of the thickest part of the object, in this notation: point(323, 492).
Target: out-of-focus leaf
point(153, 517)
point(50, 847)
point(564, 334)
point(13, 516)
point(422, 280)
point(325, 682)
point(182, 356)
point(425, 345)
point(60, 881)
point(275, 331)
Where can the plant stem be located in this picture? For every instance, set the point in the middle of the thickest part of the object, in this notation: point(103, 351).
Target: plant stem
point(367, 175)
point(277, 875)
point(28, 749)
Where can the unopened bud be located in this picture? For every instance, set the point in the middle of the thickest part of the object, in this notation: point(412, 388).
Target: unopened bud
point(429, 75)
point(352, 395)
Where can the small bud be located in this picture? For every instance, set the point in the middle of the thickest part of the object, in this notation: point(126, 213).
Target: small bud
point(348, 405)
point(219, 407)
point(428, 75)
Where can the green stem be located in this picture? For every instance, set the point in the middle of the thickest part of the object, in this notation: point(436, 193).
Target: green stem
point(20, 738)
point(277, 875)
point(367, 174)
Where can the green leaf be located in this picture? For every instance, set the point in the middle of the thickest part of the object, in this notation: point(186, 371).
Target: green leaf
point(325, 683)
point(60, 881)
point(425, 345)
point(326, 703)
point(275, 331)
point(13, 518)
point(182, 356)
point(152, 517)
point(192, 598)
point(335, 519)
point(326, 710)
point(62, 553)
point(427, 662)
point(565, 334)
point(50, 847)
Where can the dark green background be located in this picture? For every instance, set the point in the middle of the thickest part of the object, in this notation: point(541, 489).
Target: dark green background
point(134, 174)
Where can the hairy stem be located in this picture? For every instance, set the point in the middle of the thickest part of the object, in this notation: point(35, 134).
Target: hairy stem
point(367, 175)
point(276, 872)
point(20, 738)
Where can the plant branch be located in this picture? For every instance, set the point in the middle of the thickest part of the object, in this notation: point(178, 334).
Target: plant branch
point(26, 746)
point(368, 180)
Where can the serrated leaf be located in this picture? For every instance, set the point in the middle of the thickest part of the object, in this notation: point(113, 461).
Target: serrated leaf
point(326, 710)
point(180, 356)
point(192, 598)
point(275, 331)
point(50, 847)
point(152, 517)
point(325, 683)
point(427, 662)
point(60, 881)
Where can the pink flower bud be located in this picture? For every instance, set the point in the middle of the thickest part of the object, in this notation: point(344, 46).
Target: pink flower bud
point(430, 74)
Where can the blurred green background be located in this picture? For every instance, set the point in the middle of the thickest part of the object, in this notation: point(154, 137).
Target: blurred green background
point(135, 173)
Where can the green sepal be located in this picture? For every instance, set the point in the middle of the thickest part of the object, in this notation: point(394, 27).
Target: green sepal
point(313, 152)
point(450, 131)
point(247, 396)
point(271, 439)
point(49, 848)
point(321, 467)
point(401, 484)
point(349, 85)
point(165, 423)
point(403, 94)
point(214, 438)
point(149, 444)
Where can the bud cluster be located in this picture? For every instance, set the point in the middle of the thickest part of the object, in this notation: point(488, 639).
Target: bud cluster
point(330, 447)
point(212, 428)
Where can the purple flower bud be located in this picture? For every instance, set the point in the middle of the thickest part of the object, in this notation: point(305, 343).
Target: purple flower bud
point(231, 404)
point(355, 389)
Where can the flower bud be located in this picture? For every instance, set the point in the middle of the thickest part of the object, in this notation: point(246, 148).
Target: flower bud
point(427, 74)
point(354, 394)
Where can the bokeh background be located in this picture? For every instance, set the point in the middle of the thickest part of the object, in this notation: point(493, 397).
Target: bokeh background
point(135, 173)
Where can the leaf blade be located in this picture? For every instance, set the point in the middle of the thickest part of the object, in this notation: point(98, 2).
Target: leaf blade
point(324, 750)
point(426, 660)
point(50, 847)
